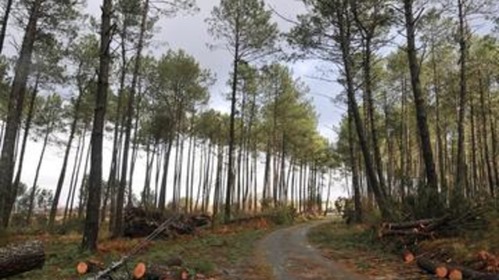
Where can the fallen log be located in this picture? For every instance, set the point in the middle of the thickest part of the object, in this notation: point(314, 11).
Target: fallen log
point(471, 274)
point(410, 224)
point(16, 259)
point(414, 232)
point(439, 270)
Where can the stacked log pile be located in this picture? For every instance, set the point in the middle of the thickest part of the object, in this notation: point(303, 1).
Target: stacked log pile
point(19, 258)
point(141, 223)
point(485, 267)
point(172, 269)
point(425, 228)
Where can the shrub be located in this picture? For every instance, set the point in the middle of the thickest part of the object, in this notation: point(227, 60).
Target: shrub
point(282, 215)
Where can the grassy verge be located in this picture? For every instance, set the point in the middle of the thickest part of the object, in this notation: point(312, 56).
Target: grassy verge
point(225, 253)
point(357, 248)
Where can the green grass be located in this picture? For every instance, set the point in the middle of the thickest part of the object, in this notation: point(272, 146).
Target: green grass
point(208, 253)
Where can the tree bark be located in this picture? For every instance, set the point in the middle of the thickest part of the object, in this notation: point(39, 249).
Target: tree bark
point(166, 161)
point(16, 259)
point(485, 138)
point(91, 230)
point(355, 173)
point(345, 37)
point(17, 179)
point(420, 103)
point(231, 175)
point(15, 105)
point(81, 204)
point(5, 21)
point(460, 185)
point(72, 183)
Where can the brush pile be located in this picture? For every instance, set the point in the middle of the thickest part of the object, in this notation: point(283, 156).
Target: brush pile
point(140, 223)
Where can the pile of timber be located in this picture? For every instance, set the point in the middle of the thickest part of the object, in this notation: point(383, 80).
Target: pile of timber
point(140, 222)
point(172, 269)
point(425, 228)
point(19, 258)
point(452, 271)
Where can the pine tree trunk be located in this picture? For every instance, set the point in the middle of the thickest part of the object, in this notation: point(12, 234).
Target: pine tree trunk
point(135, 150)
point(206, 187)
point(5, 21)
point(62, 175)
point(372, 120)
point(146, 193)
point(118, 225)
point(17, 179)
point(175, 171)
point(37, 174)
point(460, 185)
point(15, 105)
point(232, 136)
point(348, 64)
point(485, 138)
point(187, 181)
point(191, 200)
point(91, 230)
point(494, 141)
point(266, 176)
point(179, 175)
point(355, 173)
point(471, 190)
point(111, 181)
point(72, 183)
point(200, 181)
point(158, 172)
point(218, 181)
point(434, 205)
point(166, 161)
point(255, 180)
point(440, 146)
point(78, 169)
point(75, 183)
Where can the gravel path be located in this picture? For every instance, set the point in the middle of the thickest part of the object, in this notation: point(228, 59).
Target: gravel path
point(292, 258)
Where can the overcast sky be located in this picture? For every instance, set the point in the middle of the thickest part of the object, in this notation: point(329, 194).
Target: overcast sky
point(189, 32)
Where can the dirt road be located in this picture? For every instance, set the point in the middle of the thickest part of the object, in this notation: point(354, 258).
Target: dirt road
point(292, 258)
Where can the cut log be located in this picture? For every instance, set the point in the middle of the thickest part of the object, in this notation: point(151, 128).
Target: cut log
point(430, 266)
point(407, 256)
point(90, 266)
point(455, 274)
point(152, 271)
point(471, 274)
point(409, 224)
point(16, 259)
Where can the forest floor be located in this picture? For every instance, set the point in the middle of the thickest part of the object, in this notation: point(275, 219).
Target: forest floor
point(356, 249)
point(225, 253)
